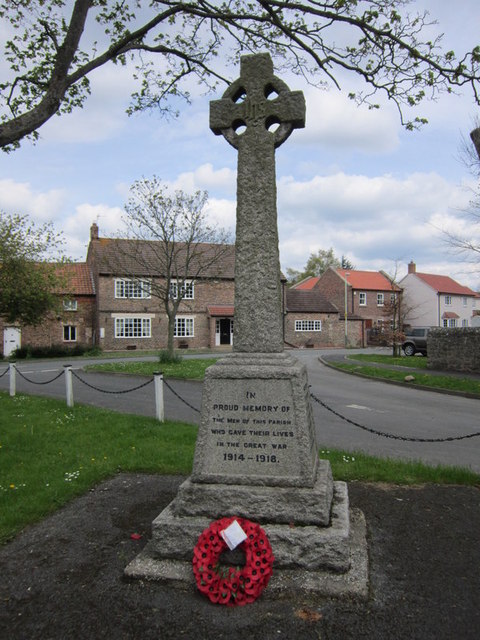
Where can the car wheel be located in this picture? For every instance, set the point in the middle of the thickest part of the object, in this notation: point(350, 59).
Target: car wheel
point(409, 350)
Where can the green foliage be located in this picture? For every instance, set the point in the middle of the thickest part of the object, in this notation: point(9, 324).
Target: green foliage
point(165, 357)
point(317, 264)
point(27, 280)
point(55, 351)
point(48, 70)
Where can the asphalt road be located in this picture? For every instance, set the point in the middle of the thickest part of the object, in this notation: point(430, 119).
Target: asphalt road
point(387, 408)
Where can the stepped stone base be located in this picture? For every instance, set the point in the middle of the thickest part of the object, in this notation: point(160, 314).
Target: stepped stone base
point(285, 582)
point(256, 458)
point(263, 504)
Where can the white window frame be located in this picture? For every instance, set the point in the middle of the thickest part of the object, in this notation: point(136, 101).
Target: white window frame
point(128, 327)
point(449, 323)
point(308, 325)
point(380, 299)
point(130, 289)
point(362, 295)
point(184, 327)
point(187, 291)
point(448, 301)
point(69, 333)
point(70, 305)
point(465, 301)
point(464, 322)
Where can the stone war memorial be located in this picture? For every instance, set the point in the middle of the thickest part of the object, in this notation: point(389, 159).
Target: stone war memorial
point(256, 456)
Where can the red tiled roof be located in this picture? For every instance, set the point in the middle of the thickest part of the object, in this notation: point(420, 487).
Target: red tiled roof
point(308, 302)
point(367, 280)
point(450, 314)
point(307, 283)
point(445, 284)
point(78, 279)
point(221, 310)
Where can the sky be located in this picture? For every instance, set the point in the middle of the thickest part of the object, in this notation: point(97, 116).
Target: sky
point(352, 179)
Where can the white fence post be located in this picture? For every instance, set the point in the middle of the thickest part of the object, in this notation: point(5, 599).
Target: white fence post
point(68, 384)
point(12, 370)
point(159, 406)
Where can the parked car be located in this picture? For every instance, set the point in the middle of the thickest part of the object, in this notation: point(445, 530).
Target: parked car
point(415, 341)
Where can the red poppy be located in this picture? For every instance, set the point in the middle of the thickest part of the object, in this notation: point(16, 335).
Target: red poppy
point(232, 587)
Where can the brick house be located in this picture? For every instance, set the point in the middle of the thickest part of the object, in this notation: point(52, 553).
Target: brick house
point(362, 294)
point(130, 316)
point(437, 301)
point(72, 324)
point(312, 321)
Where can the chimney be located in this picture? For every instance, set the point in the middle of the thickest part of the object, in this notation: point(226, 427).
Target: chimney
point(412, 267)
point(94, 231)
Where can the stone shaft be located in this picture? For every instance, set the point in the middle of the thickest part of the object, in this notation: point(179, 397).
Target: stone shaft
point(258, 101)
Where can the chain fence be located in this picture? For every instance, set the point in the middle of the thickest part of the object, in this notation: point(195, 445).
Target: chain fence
point(320, 402)
point(393, 436)
point(36, 381)
point(118, 392)
point(180, 397)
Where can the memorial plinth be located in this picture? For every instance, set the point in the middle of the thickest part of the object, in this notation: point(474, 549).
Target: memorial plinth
point(256, 455)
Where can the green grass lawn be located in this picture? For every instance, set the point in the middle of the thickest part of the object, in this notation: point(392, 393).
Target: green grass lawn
point(49, 454)
point(410, 366)
point(414, 362)
point(187, 368)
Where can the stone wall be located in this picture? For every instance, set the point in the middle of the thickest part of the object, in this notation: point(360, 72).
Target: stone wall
point(454, 349)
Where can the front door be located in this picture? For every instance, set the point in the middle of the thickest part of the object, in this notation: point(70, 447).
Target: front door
point(225, 331)
point(12, 339)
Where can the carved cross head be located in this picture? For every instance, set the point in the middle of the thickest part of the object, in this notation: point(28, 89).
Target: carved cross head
point(257, 106)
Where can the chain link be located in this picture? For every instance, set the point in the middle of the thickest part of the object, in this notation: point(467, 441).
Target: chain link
point(35, 382)
point(391, 435)
point(87, 384)
point(6, 371)
point(180, 397)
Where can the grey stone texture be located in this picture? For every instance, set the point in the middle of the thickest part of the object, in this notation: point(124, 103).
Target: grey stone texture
point(256, 454)
point(454, 349)
point(257, 423)
point(298, 506)
point(257, 100)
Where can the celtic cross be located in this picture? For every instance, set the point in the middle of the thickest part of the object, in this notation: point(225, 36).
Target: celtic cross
point(256, 115)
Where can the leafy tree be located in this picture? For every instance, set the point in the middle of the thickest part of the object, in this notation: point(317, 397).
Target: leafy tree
point(317, 264)
point(29, 282)
point(170, 238)
point(52, 48)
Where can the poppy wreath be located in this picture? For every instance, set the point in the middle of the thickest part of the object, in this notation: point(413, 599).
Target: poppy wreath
point(232, 586)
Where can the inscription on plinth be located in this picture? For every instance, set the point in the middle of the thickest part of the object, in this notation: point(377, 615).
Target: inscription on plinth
point(256, 430)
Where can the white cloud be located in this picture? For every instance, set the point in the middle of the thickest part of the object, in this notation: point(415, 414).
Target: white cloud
point(373, 221)
point(103, 114)
point(20, 197)
point(335, 120)
point(208, 178)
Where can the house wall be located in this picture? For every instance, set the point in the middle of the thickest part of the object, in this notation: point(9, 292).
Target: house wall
point(420, 302)
point(210, 292)
point(333, 288)
point(425, 307)
point(50, 331)
point(331, 335)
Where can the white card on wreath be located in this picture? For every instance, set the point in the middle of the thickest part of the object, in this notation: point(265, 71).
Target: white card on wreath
point(233, 535)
